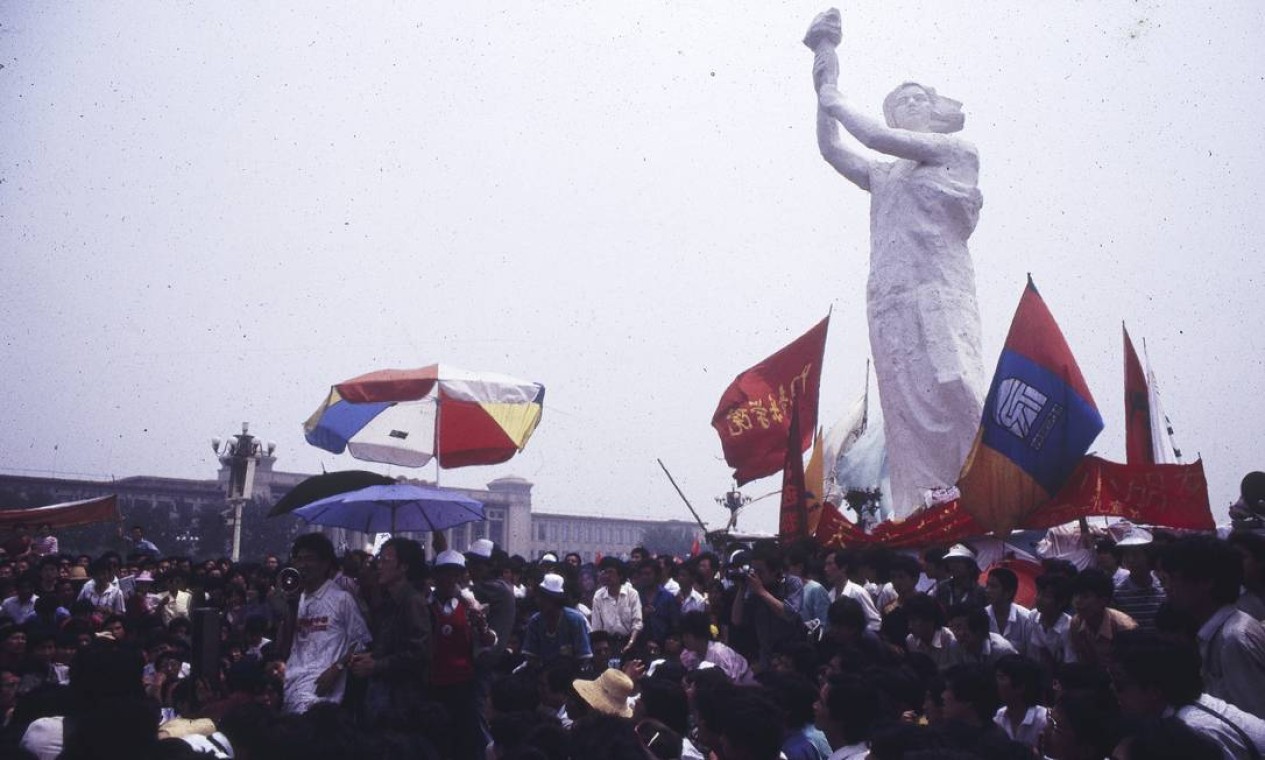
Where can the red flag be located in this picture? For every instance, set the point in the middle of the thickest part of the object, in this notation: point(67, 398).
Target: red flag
point(695, 547)
point(753, 415)
point(793, 522)
point(1138, 445)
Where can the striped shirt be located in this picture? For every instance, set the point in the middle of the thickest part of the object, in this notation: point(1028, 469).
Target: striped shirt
point(1139, 602)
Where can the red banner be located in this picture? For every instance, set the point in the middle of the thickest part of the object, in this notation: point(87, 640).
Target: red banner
point(1138, 443)
point(67, 515)
point(1167, 495)
point(793, 520)
point(835, 530)
point(753, 417)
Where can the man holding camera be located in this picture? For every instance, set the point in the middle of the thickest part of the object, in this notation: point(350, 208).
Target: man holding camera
point(768, 601)
point(328, 629)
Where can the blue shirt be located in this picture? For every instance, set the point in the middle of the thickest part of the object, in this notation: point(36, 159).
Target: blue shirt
point(570, 639)
point(661, 612)
point(809, 743)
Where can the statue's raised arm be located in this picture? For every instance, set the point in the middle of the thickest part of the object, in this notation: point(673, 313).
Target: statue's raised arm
point(920, 297)
point(917, 119)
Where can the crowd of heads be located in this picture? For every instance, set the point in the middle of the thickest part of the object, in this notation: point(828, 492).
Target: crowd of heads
point(749, 652)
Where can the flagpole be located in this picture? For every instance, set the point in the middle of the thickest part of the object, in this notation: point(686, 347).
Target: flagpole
point(672, 480)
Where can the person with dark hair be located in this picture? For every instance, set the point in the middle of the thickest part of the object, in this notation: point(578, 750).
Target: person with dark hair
point(21, 606)
point(1156, 677)
point(903, 570)
point(801, 563)
point(1095, 624)
point(927, 634)
point(1204, 575)
point(975, 643)
point(840, 568)
point(769, 601)
point(802, 740)
point(553, 689)
point(846, 713)
point(1021, 715)
point(328, 627)
point(617, 606)
point(1251, 548)
point(101, 590)
point(698, 646)
point(1082, 726)
point(1048, 641)
point(1013, 621)
point(398, 663)
point(1107, 559)
point(660, 610)
point(970, 702)
point(606, 736)
point(751, 726)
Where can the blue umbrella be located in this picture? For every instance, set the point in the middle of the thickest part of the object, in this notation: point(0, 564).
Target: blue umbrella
point(396, 507)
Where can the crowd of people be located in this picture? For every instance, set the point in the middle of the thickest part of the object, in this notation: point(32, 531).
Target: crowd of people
point(759, 651)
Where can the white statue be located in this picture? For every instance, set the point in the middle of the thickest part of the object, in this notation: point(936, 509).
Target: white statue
point(923, 318)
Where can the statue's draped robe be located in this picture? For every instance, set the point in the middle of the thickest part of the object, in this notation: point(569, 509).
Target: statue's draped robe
point(924, 324)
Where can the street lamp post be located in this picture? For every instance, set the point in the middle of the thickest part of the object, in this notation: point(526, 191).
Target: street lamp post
point(733, 500)
point(240, 454)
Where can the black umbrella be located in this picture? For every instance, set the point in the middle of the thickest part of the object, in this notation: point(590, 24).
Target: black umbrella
point(319, 487)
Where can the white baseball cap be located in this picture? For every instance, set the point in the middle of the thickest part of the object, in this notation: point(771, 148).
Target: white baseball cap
point(450, 558)
point(481, 548)
point(1136, 536)
point(552, 584)
point(960, 551)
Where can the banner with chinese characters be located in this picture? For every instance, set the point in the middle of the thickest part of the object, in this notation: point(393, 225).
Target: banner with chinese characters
point(1164, 495)
point(752, 418)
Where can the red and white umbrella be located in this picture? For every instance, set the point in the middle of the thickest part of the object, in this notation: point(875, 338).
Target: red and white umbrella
point(409, 417)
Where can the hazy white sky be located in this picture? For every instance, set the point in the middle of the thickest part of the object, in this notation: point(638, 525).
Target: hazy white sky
point(210, 212)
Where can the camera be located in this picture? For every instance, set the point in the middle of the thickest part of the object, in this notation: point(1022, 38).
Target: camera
point(739, 573)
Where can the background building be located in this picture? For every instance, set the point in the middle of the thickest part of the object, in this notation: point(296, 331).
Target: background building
point(187, 517)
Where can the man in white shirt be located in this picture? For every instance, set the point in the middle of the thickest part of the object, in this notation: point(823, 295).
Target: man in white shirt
point(1048, 641)
point(1204, 576)
point(105, 595)
point(839, 567)
point(327, 629)
point(1004, 616)
point(21, 606)
point(976, 644)
point(1156, 677)
point(617, 605)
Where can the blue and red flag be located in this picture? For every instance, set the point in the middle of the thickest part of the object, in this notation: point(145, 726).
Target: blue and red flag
point(1039, 420)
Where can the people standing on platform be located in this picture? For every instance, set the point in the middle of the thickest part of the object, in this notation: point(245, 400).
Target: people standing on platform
point(459, 629)
point(398, 663)
point(328, 629)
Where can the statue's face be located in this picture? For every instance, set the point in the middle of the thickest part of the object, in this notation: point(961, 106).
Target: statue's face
point(912, 109)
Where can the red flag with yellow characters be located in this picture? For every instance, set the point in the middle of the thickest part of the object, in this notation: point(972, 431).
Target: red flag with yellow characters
point(753, 417)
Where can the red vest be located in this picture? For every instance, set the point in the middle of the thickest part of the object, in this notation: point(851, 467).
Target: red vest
point(452, 660)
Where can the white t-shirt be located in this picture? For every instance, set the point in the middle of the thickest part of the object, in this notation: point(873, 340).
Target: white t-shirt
point(329, 623)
